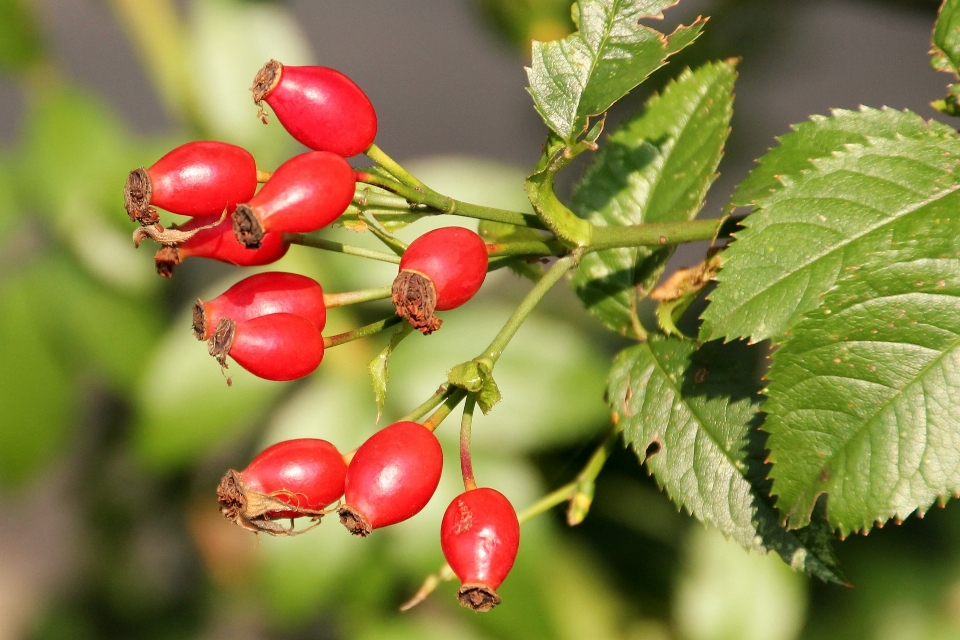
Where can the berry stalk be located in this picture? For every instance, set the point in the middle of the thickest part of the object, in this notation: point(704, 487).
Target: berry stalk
point(362, 332)
point(466, 424)
point(331, 300)
point(312, 240)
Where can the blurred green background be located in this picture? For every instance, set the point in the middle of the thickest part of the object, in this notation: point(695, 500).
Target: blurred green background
point(115, 425)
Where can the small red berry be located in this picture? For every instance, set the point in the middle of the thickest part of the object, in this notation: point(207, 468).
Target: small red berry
point(200, 178)
point(280, 346)
point(320, 107)
point(260, 295)
point(391, 478)
point(440, 270)
point(306, 473)
point(218, 243)
point(306, 193)
point(479, 535)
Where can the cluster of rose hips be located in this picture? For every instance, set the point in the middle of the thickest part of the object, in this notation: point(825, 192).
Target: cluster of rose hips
point(271, 323)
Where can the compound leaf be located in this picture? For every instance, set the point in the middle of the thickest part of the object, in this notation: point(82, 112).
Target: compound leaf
point(863, 396)
point(825, 222)
point(657, 167)
point(693, 415)
point(611, 53)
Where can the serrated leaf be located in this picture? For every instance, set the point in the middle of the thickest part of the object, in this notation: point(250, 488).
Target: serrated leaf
point(378, 367)
point(823, 136)
point(863, 395)
point(611, 53)
point(825, 222)
point(945, 52)
point(694, 413)
point(657, 167)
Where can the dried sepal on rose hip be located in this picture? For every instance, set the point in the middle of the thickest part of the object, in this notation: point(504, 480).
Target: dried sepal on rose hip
point(280, 346)
point(262, 294)
point(305, 193)
point(215, 240)
point(480, 535)
point(291, 479)
point(440, 270)
point(391, 478)
point(320, 107)
point(200, 178)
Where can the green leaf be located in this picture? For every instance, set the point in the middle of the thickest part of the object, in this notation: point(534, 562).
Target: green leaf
point(586, 72)
point(692, 415)
point(378, 367)
point(20, 44)
point(863, 395)
point(946, 52)
point(38, 398)
point(825, 222)
point(476, 377)
point(823, 136)
point(657, 167)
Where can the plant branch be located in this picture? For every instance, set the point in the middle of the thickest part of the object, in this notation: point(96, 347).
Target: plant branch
point(331, 300)
point(311, 240)
point(362, 332)
point(445, 409)
point(376, 154)
point(434, 401)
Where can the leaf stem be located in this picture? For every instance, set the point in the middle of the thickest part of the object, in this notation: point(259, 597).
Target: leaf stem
point(466, 464)
point(361, 332)
point(331, 300)
point(536, 294)
point(311, 240)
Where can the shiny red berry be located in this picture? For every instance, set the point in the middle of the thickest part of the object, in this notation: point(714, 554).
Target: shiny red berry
point(479, 535)
point(260, 295)
point(200, 178)
point(391, 478)
point(218, 243)
point(280, 346)
point(320, 107)
point(440, 270)
point(306, 193)
point(306, 474)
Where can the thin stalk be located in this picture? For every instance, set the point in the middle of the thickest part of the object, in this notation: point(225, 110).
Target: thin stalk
point(432, 403)
point(376, 154)
point(466, 464)
point(365, 197)
point(536, 294)
point(582, 497)
point(547, 502)
point(445, 409)
point(263, 176)
point(331, 300)
point(532, 248)
point(394, 244)
point(362, 332)
point(310, 240)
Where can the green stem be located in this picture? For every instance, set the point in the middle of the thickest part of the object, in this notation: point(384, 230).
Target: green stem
point(536, 294)
point(466, 424)
point(445, 409)
point(376, 154)
point(310, 240)
point(582, 497)
point(394, 244)
point(365, 197)
point(362, 332)
point(547, 502)
point(432, 403)
point(654, 234)
point(532, 248)
point(331, 300)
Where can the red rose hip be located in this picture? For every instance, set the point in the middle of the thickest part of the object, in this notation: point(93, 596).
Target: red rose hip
point(218, 243)
point(280, 346)
point(306, 193)
point(440, 270)
point(480, 535)
point(260, 295)
point(320, 107)
point(287, 480)
point(200, 178)
point(391, 478)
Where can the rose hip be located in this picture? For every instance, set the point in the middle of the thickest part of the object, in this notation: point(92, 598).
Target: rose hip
point(440, 270)
point(218, 243)
point(280, 346)
point(320, 107)
point(201, 178)
point(260, 295)
point(306, 193)
point(480, 535)
point(391, 478)
point(290, 479)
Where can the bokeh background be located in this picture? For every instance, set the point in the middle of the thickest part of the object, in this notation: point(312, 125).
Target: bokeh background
point(115, 425)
